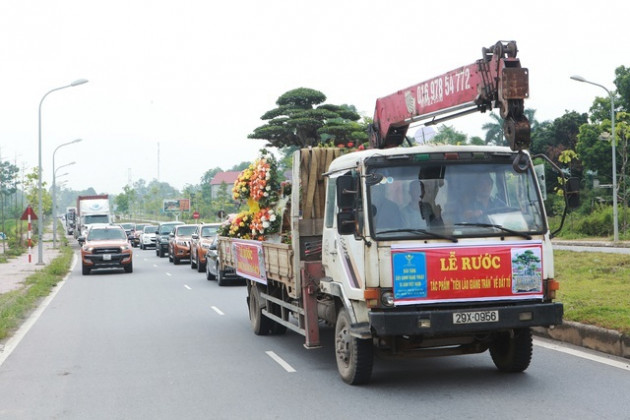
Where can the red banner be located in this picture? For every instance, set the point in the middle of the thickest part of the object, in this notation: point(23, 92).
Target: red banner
point(447, 273)
point(250, 260)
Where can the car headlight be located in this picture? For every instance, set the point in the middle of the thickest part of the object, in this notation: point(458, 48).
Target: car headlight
point(88, 249)
point(205, 246)
point(125, 247)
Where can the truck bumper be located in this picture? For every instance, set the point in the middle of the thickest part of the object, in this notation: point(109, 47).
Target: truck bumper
point(441, 321)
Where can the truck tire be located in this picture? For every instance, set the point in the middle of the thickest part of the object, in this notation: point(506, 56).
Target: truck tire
point(129, 268)
point(200, 267)
point(176, 260)
point(355, 356)
point(511, 351)
point(261, 325)
point(85, 270)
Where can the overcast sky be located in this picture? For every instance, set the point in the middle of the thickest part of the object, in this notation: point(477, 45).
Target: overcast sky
point(192, 78)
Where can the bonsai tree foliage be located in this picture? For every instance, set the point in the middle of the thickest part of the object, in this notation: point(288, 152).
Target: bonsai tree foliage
point(301, 119)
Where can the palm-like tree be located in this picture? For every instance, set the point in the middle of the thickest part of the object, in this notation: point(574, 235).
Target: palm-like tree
point(494, 129)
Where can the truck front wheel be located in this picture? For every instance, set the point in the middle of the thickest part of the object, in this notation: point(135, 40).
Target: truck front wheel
point(354, 356)
point(511, 351)
point(261, 325)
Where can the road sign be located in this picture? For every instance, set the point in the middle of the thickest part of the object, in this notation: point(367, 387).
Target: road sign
point(28, 212)
point(196, 215)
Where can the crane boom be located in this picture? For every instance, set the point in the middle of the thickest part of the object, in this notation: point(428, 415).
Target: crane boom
point(494, 81)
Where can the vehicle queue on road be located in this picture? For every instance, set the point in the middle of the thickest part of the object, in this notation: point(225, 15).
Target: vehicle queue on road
point(192, 243)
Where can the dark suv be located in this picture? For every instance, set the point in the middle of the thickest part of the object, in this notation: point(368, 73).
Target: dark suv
point(161, 237)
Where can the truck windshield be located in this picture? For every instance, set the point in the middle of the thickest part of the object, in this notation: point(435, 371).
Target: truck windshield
point(452, 199)
point(97, 218)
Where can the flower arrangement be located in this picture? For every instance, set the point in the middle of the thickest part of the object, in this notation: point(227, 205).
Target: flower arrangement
point(239, 226)
point(264, 222)
point(263, 184)
point(241, 188)
point(259, 186)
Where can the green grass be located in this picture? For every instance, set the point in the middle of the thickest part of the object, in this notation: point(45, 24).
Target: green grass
point(17, 304)
point(595, 288)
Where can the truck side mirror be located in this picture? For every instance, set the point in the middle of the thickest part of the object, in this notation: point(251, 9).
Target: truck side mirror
point(346, 191)
point(572, 191)
point(346, 222)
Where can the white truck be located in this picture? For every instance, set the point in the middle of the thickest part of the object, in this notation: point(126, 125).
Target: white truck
point(91, 209)
point(411, 251)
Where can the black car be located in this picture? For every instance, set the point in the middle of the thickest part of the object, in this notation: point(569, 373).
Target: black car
point(213, 271)
point(129, 229)
point(162, 237)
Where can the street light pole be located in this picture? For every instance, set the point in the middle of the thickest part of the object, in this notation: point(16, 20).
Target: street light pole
point(614, 154)
point(54, 190)
point(40, 209)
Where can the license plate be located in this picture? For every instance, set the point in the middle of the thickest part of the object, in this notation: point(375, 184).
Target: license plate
point(107, 257)
point(475, 317)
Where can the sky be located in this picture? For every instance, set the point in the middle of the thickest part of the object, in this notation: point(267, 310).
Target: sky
point(175, 87)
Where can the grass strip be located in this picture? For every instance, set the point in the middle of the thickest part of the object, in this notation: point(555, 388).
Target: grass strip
point(17, 304)
point(595, 288)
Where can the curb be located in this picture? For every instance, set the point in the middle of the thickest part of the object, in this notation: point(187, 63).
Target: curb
point(588, 336)
point(580, 242)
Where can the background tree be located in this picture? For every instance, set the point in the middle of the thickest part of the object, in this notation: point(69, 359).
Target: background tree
point(494, 130)
point(125, 201)
point(32, 192)
point(298, 121)
point(8, 187)
point(448, 135)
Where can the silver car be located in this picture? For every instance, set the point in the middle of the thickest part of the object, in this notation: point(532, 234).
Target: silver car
point(147, 237)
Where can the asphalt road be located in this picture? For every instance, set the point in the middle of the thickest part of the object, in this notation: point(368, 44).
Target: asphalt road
point(165, 343)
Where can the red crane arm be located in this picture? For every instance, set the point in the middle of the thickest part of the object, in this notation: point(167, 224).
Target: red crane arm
point(495, 81)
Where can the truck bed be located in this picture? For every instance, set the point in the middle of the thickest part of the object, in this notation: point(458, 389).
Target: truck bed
point(277, 259)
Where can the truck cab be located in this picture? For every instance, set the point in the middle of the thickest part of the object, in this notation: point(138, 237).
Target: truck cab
point(440, 249)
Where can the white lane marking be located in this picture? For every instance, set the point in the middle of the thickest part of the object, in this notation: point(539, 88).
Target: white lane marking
point(217, 310)
point(187, 287)
point(584, 355)
point(281, 362)
point(155, 265)
point(13, 342)
point(168, 274)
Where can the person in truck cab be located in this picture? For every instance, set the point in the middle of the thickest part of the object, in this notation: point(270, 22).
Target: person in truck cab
point(385, 212)
point(482, 201)
point(411, 212)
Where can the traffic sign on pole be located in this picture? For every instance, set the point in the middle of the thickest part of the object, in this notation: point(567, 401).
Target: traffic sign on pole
point(28, 213)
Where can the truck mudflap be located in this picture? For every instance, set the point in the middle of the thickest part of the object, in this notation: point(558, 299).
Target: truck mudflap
point(469, 320)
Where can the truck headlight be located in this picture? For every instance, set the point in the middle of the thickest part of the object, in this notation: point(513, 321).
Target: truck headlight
point(387, 299)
